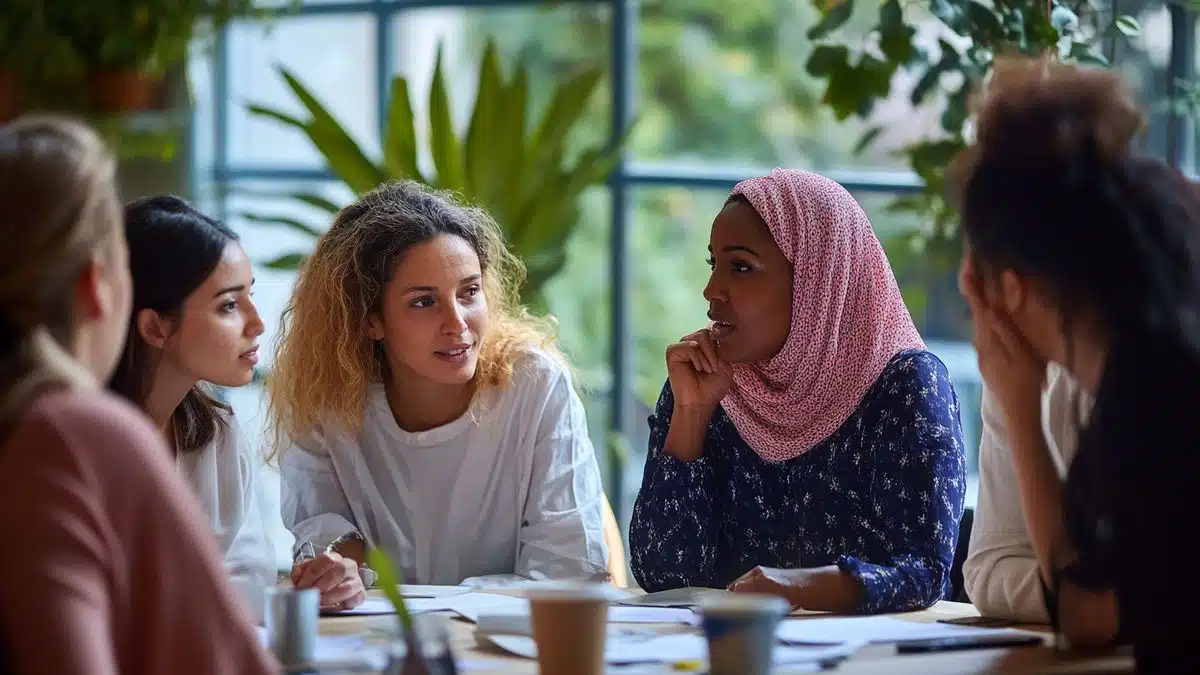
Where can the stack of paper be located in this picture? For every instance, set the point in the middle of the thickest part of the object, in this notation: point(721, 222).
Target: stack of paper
point(679, 597)
point(517, 622)
point(635, 647)
point(343, 652)
point(873, 629)
point(468, 605)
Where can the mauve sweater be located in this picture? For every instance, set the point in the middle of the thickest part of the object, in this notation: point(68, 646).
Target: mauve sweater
point(108, 565)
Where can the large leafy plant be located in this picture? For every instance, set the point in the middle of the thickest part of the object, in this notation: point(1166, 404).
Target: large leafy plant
point(974, 32)
point(527, 175)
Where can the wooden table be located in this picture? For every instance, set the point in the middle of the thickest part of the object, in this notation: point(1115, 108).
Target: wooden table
point(875, 659)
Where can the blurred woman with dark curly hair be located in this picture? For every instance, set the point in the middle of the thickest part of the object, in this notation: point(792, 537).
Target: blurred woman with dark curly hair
point(425, 411)
point(1082, 253)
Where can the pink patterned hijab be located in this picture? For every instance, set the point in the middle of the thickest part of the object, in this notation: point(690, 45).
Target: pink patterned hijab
point(848, 319)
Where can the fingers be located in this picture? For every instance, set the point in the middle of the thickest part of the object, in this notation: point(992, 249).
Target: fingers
point(687, 352)
point(708, 348)
point(754, 573)
point(313, 572)
point(347, 594)
point(700, 350)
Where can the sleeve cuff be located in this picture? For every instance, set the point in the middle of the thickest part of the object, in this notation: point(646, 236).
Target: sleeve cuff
point(873, 580)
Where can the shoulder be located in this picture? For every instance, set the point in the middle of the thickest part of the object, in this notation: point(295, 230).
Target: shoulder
point(914, 367)
point(914, 380)
point(537, 372)
point(92, 432)
point(96, 419)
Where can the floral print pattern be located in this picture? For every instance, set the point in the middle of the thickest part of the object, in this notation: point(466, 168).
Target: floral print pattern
point(881, 497)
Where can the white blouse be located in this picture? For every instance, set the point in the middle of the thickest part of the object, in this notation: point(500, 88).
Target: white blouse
point(1001, 571)
point(509, 490)
point(224, 476)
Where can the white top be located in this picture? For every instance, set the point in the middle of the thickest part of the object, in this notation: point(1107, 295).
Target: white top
point(1001, 571)
point(510, 488)
point(225, 477)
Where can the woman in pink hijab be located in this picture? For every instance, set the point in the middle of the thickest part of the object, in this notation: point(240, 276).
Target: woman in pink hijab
point(806, 444)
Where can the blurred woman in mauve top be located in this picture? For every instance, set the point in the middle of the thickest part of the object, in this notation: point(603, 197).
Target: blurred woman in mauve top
point(109, 566)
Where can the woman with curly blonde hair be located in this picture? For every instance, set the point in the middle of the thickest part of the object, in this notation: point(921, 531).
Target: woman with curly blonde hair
point(424, 411)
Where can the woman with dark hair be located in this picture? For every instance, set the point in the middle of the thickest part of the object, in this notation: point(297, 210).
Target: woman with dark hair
point(194, 325)
point(424, 411)
point(1079, 252)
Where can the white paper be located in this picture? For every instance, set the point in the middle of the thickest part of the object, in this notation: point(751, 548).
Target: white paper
point(416, 598)
point(518, 622)
point(419, 591)
point(648, 647)
point(678, 597)
point(468, 605)
point(372, 605)
point(341, 651)
point(876, 629)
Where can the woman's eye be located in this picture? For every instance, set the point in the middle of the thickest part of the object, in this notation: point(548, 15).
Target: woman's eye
point(423, 302)
point(229, 307)
point(711, 261)
point(472, 291)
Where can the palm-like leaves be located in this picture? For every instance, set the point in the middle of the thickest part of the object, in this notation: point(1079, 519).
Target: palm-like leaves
point(521, 176)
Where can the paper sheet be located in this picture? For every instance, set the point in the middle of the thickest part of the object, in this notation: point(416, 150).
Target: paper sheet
point(518, 622)
point(420, 591)
point(341, 651)
point(678, 597)
point(372, 605)
point(413, 595)
point(835, 630)
point(647, 647)
point(469, 605)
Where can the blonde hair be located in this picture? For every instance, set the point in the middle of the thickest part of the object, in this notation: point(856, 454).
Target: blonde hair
point(325, 361)
point(60, 205)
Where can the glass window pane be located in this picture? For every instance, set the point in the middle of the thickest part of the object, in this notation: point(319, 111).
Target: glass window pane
point(267, 242)
point(727, 82)
point(669, 234)
point(580, 300)
point(553, 42)
point(1144, 63)
point(342, 77)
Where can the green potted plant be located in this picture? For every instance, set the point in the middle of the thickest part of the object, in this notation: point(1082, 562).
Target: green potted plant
point(128, 45)
point(524, 171)
point(35, 62)
point(423, 653)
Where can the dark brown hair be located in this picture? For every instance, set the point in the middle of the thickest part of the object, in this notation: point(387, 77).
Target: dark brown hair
point(173, 248)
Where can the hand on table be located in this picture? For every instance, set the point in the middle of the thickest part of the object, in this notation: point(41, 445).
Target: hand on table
point(771, 581)
point(335, 576)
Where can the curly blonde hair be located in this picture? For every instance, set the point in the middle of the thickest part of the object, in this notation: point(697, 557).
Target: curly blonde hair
point(325, 361)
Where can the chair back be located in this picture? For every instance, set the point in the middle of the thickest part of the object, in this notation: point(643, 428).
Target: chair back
point(616, 547)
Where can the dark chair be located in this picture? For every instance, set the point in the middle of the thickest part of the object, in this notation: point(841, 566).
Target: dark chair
point(958, 592)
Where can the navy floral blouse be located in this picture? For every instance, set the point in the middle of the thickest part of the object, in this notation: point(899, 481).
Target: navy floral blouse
point(881, 498)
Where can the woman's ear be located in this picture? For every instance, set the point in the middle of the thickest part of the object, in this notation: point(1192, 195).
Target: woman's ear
point(375, 326)
point(153, 328)
point(1014, 291)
